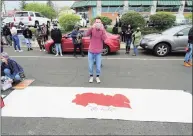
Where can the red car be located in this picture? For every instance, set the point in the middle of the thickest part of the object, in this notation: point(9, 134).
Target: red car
point(112, 43)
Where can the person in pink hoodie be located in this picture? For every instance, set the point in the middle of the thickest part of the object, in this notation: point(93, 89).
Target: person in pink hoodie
point(98, 35)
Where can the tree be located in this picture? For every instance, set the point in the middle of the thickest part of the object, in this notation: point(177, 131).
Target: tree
point(105, 20)
point(134, 19)
point(44, 9)
point(163, 20)
point(22, 4)
point(68, 21)
point(50, 3)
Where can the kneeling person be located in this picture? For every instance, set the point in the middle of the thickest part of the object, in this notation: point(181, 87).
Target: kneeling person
point(11, 68)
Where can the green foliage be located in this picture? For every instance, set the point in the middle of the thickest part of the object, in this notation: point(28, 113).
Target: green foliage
point(163, 20)
point(188, 16)
point(134, 19)
point(105, 20)
point(44, 9)
point(33, 30)
point(68, 21)
point(110, 29)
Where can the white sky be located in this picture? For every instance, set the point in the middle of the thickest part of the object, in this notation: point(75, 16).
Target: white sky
point(10, 5)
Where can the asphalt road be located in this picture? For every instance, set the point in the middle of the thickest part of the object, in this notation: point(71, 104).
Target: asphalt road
point(120, 71)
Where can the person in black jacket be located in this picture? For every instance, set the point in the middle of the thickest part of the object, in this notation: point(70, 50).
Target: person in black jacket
point(7, 34)
point(188, 57)
point(128, 38)
point(123, 29)
point(56, 35)
point(27, 33)
point(77, 40)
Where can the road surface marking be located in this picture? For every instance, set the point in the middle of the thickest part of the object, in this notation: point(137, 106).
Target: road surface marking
point(24, 84)
point(105, 58)
point(100, 103)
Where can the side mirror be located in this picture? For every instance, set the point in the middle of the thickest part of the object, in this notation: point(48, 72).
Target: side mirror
point(180, 34)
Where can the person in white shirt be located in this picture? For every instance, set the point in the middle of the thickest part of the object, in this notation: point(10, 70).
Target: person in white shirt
point(15, 39)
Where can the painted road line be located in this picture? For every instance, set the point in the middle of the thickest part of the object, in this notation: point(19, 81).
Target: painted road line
point(104, 58)
point(100, 103)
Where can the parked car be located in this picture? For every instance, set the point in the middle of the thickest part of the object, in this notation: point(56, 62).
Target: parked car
point(30, 18)
point(112, 44)
point(172, 39)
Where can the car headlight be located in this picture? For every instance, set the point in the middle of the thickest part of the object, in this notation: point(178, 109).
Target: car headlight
point(150, 40)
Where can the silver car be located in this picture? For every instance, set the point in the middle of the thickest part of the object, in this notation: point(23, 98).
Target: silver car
point(172, 39)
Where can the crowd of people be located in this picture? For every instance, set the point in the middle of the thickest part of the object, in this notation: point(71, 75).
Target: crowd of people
point(97, 35)
point(11, 35)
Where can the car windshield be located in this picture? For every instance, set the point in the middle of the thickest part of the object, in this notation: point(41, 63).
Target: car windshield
point(172, 30)
point(21, 14)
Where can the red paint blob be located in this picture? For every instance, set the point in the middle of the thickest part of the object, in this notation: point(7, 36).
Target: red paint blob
point(118, 100)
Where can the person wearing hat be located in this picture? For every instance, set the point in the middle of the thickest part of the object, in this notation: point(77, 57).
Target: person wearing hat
point(136, 41)
point(27, 33)
point(11, 68)
point(77, 40)
point(39, 37)
point(56, 35)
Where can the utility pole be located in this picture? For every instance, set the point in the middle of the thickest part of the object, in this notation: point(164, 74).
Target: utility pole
point(99, 3)
point(153, 7)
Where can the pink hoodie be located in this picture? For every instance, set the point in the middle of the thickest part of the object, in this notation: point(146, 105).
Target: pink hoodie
point(97, 38)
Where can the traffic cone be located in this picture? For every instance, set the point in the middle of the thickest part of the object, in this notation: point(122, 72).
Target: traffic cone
point(2, 103)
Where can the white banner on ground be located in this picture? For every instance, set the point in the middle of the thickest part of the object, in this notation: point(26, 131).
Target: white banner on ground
point(100, 103)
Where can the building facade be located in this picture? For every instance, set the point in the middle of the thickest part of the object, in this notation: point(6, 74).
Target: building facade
point(146, 7)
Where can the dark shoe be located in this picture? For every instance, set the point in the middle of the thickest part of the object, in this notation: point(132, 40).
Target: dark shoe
point(75, 55)
point(82, 54)
point(31, 49)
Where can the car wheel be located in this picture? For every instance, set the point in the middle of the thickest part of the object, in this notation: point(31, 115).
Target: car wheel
point(36, 24)
point(52, 49)
point(162, 49)
point(106, 50)
point(48, 23)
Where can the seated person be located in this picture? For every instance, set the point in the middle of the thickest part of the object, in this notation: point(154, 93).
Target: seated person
point(11, 68)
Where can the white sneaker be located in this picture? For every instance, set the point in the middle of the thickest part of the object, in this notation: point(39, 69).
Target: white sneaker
point(61, 55)
point(44, 50)
point(20, 50)
point(56, 55)
point(91, 80)
point(16, 50)
point(40, 50)
point(98, 80)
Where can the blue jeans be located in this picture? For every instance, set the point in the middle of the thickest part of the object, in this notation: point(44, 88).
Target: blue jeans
point(7, 73)
point(91, 58)
point(128, 42)
point(16, 42)
point(58, 48)
point(28, 42)
point(188, 56)
point(135, 49)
